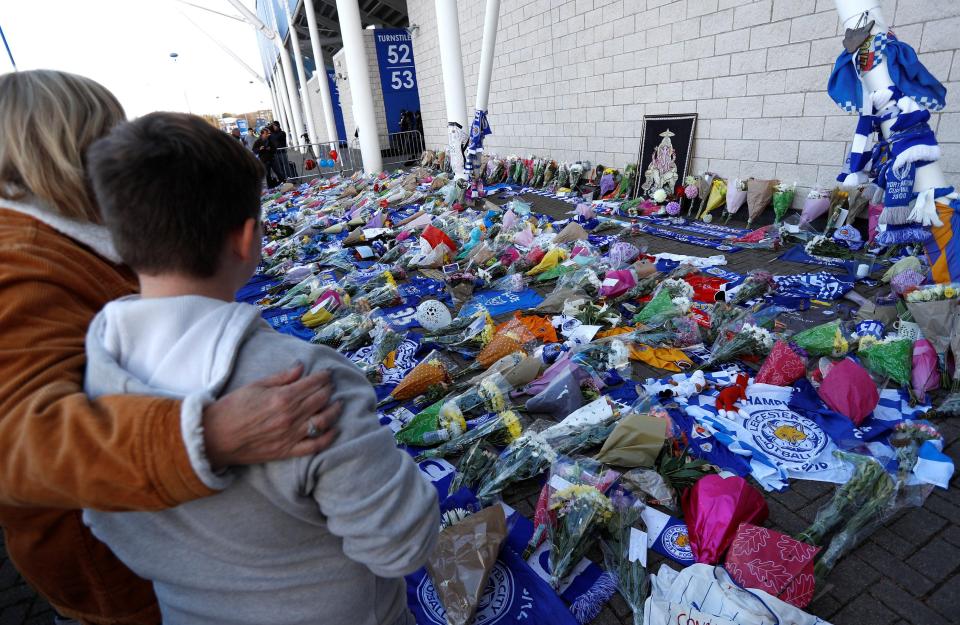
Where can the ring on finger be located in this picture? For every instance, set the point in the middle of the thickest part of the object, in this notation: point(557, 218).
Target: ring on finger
point(312, 430)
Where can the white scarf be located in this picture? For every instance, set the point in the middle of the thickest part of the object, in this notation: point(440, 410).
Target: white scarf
point(94, 236)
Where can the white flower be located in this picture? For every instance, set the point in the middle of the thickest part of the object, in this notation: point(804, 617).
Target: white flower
point(659, 195)
point(682, 303)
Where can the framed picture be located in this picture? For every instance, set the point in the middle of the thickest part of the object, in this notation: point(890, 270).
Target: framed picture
point(666, 143)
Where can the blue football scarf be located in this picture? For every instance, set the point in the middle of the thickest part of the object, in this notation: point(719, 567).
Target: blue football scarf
point(401, 317)
point(685, 238)
point(255, 290)
point(501, 302)
point(797, 254)
point(287, 321)
point(479, 128)
point(418, 288)
point(906, 72)
point(716, 231)
point(820, 285)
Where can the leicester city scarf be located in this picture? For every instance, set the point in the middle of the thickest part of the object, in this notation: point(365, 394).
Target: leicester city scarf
point(500, 302)
point(906, 71)
point(684, 238)
point(717, 231)
point(820, 285)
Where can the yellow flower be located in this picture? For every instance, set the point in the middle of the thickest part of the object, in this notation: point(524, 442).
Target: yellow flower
point(512, 423)
point(949, 292)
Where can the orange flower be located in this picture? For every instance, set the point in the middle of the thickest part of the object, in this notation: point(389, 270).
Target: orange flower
point(420, 379)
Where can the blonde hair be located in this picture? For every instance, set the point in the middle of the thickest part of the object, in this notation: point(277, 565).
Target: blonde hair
point(48, 119)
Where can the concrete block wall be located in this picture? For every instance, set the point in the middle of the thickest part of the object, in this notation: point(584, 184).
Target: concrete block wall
point(346, 99)
point(573, 79)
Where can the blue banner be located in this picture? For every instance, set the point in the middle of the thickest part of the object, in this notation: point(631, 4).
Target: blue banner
point(337, 108)
point(398, 75)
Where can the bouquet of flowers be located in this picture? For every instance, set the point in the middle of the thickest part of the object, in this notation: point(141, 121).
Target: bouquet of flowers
point(838, 203)
point(624, 552)
point(827, 339)
point(736, 196)
point(579, 509)
point(749, 340)
point(936, 309)
point(330, 303)
point(460, 330)
point(526, 457)
point(501, 429)
point(890, 358)
point(667, 303)
point(717, 198)
point(822, 246)
point(757, 285)
point(433, 371)
point(782, 200)
point(473, 466)
point(332, 333)
point(576, 174)
point(816, 204)
point(759, 194)
point(857, 507)
point(385, 343)
point(506, 340)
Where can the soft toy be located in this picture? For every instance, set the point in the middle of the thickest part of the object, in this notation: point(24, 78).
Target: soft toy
point(730, 395)
point(683, 388)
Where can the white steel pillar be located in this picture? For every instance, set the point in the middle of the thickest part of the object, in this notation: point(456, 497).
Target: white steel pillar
point(454, 92)
point(293, 97)
point(490, 22)
point(301, 76)
point(361, 95)
point(326, 100)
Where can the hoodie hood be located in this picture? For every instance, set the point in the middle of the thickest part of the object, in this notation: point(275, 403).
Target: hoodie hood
point(173, 346)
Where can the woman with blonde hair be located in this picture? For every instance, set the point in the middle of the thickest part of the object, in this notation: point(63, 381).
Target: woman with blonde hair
point(62, 451)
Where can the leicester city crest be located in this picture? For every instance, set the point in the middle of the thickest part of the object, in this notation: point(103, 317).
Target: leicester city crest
point(786, 436)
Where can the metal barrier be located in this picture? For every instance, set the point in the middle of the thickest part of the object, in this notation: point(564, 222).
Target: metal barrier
point(303, 162)
point(396, 148)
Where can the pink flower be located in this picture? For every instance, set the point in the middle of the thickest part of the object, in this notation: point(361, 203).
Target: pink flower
point(691, 191)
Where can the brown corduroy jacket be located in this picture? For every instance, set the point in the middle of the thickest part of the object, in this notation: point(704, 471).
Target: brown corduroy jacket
point(59, 451)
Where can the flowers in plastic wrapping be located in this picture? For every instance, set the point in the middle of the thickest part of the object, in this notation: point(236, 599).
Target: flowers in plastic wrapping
point(431, 372)
point(816, 204)
point(579, 509)
point(857, 507)
point(757, 285)
point(624, 556)
point(527, 456)
point(713, 510)
point(462, 560)
point(717, 198)
point(785, 364)
point(500, 429)
point(828, 339)
point(891, 359)
point(925, 374)
point(325, 308)
point(732, 343)
point(736, 196)
point(759, 195)
point(783, 200)
point(385, 343)
point(847, 388)
point(333, 333)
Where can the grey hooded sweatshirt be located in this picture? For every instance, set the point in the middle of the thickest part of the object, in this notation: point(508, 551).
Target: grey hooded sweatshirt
point(321, 539)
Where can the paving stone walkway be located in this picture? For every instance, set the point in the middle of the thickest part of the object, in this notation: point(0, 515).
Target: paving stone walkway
point(906, 573)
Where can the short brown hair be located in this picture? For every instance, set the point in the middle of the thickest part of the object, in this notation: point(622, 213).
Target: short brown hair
point(171, 188)
point(48, 119)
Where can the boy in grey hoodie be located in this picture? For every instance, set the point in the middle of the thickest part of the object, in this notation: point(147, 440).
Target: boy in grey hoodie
point(321, 539)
